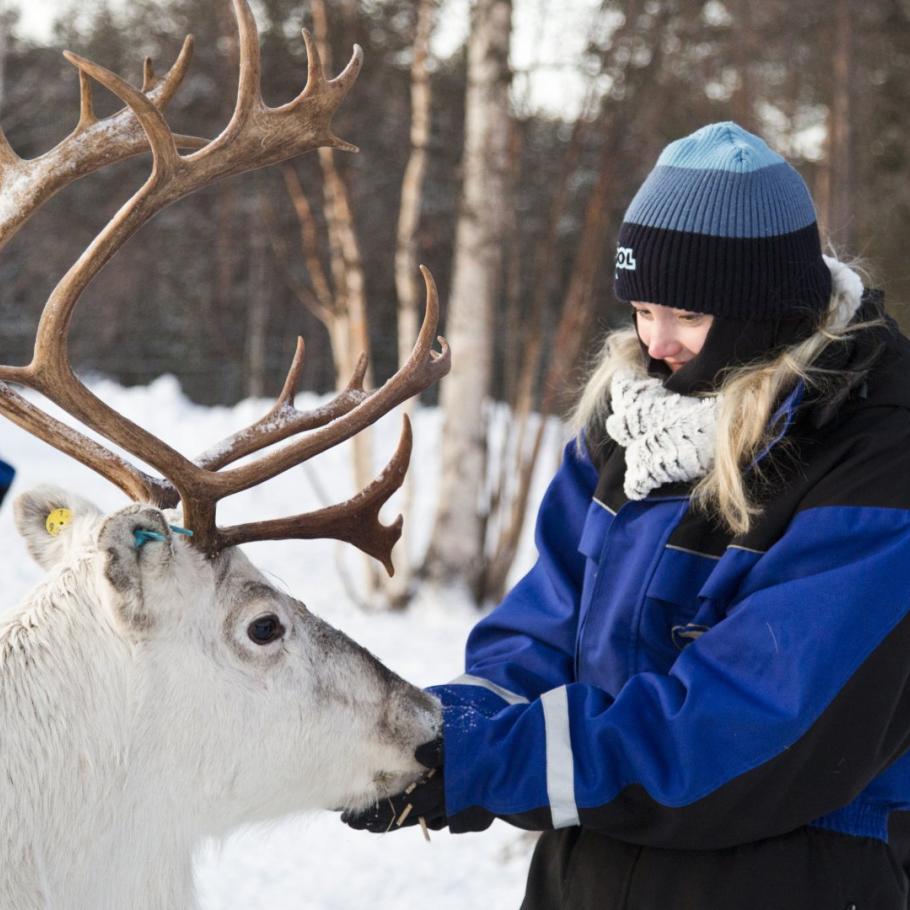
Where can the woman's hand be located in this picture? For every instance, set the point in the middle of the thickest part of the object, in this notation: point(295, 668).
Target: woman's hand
point(424, 799)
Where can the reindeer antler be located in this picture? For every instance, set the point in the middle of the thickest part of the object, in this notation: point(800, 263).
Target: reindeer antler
point(93, 143)
point(256, 136)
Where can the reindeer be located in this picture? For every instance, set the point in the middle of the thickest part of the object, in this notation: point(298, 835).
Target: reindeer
point(156, 689)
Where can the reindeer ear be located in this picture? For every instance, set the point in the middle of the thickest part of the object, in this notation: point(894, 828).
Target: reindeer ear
point(51, 520)
point(136, 544)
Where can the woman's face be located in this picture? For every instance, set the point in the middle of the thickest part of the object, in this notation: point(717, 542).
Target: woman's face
point(673, 336)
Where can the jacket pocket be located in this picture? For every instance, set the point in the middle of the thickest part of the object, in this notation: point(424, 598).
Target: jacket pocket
point(674, 612)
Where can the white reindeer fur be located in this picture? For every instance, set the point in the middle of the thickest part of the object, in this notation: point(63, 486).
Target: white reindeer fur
point(137, 719)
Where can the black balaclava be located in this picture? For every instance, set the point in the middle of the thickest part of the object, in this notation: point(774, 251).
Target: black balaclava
point(723, 225)
point(730, 343)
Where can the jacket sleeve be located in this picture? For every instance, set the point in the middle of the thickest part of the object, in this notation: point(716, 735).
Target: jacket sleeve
point(526, 645)
point(781, 713)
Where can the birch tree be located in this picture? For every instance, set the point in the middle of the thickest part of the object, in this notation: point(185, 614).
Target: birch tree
point(835, 209)
point(407, 276)
point(348, 324)
point(457, 544)
point(4, 39)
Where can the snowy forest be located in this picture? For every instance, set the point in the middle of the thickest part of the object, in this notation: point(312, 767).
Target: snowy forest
point(467, 166)
point(515, 213)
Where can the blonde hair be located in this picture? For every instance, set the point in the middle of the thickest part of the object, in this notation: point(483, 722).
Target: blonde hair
point(748, 397)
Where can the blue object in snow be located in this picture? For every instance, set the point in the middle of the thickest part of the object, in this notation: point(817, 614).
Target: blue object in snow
point(7, 472)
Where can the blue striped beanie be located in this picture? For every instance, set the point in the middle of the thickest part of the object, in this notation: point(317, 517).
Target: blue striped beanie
point(723, 225)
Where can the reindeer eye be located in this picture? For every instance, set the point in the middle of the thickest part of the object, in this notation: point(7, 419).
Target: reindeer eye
point(265, 629)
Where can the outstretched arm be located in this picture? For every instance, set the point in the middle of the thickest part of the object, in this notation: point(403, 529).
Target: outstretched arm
point(526, 646)
point(782, 713)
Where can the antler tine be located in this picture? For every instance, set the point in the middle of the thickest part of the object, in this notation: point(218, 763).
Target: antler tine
point(8, 158)
point(161, 139)
point(319, 99)
point(86, 107)
point(159, 91)
point(421, 370)
point(148, 75)
point(427, 334)
point(355, 383)
point(315, 72)
point(166, 88)
point(344, 81)
point(316, 82)
point(289, 390)
point(283, 420)
point(249, 90)
point(90, 145)
point(355, 521)
point(249, 93)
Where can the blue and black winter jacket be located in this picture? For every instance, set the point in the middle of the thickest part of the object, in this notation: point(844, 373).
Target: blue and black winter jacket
point(6, 479)
point(656, 679)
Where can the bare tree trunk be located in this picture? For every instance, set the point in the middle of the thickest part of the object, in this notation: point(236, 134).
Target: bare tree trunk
point(457, 546)
point(512, 496)
point(519, 460)
point(577, 313)
point(321, 300)
point(347, 266)
point(6, 150)
point(218, 303)
point(743, 100)
point(4, 42)
point(258, 311)
point(580, 300)
point(407, 281)
point(349, 331)
point(839, 216)
point(406, 266)
point(514, 292)
point(821, 194)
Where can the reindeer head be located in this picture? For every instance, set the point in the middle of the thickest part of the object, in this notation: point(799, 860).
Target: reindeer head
point(242, 702)
point(270, 708)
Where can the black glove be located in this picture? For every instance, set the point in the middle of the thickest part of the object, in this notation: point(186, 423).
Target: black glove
point(423, 799)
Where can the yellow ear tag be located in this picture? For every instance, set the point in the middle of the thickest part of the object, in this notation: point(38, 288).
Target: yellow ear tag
point(58, 520)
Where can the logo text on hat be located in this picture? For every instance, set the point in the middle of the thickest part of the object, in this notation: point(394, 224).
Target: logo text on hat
point(625, 258)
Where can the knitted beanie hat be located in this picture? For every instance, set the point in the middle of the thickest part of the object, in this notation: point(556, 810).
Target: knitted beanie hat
point(723, 225)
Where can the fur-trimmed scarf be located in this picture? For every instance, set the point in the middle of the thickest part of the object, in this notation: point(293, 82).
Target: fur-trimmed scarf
point(670, 437)
point(667, 437)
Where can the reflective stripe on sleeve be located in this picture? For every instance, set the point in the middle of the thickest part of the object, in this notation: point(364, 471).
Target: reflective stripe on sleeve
point(560, 761)
point(507, 696)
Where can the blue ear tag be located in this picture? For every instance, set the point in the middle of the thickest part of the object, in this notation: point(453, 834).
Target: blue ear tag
point(142, 536)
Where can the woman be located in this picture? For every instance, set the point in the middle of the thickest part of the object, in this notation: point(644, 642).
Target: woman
point(700, 691)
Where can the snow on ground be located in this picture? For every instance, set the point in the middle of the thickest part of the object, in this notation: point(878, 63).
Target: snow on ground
point(314, 862)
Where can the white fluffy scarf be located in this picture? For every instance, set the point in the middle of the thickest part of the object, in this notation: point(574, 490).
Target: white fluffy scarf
point(667, 437)
point(670, 437)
